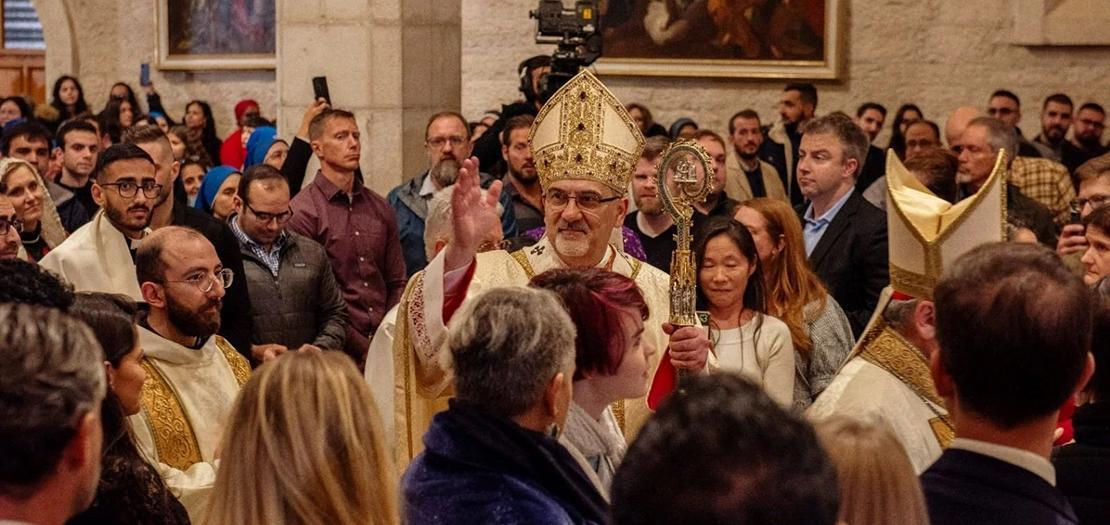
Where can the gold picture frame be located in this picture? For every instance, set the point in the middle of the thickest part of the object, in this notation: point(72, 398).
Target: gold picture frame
point(207, 35)
point(634, 48)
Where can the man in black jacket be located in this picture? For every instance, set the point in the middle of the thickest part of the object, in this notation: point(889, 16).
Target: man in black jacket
point(845, 236)
point(1014, 327)
point(235, 317)
point(488, 147)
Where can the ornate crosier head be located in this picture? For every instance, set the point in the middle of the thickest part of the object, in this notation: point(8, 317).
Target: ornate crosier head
point(584, 133)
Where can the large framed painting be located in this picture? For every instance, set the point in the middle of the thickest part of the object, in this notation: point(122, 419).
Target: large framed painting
point(216, 34)
point(723, 38)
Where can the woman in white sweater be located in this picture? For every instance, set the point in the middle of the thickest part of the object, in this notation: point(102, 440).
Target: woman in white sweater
point(730, 285)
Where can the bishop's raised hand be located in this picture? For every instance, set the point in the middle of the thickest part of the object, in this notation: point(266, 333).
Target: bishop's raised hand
point(472, 215)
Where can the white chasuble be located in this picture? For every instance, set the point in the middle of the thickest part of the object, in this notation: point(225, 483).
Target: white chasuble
point(187, 396)
point(888, 380)
point(422, 385)
point(96, 258)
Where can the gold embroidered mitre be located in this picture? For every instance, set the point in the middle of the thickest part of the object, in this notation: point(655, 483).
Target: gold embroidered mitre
point(927, 233)
point(585, 133)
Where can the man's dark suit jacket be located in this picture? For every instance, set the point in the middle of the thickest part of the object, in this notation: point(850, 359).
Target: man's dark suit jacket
point(852, 259)
point(964, 487)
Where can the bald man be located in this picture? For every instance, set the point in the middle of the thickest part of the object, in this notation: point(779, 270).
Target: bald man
point(958, 122)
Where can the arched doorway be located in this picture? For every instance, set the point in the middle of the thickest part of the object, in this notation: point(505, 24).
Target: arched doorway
point(23, 55)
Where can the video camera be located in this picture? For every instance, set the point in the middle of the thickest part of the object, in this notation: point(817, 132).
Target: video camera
point(577, 35)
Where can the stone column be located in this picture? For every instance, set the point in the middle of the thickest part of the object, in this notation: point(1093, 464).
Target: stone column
point(391, 62)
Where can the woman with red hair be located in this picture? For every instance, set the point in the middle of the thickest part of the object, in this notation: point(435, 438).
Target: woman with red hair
point(612, 361)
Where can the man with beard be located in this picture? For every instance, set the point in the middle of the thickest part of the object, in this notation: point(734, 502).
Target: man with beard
point(1056, 117)
point(447, 143)
point(748, 175)
point(99, 256)
point(653, 226)
point(522, 185)
point(192, 374)
point(235, 323)
point(586, 147)
point(797, 104)
point(1089, 123)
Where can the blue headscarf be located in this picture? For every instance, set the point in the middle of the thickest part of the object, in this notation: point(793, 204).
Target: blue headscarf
point(211, 186)
point(259, 144)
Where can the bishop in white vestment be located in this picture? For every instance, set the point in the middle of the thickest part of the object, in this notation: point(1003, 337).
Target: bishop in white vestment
point(887, 375)
point(584, 143)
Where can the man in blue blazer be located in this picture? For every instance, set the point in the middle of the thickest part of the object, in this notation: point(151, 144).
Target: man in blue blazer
point(845, 236)
point(1014, 327)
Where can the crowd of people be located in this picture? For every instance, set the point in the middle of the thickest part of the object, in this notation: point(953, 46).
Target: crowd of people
point(199, 330)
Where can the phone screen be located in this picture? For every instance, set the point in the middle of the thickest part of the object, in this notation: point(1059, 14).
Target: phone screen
point(320, 88)
point(144, 74)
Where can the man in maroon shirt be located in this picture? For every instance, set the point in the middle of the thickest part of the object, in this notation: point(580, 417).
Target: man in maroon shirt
point(355, 225)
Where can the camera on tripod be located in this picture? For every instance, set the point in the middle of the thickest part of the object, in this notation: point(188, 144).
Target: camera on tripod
point(575, 32)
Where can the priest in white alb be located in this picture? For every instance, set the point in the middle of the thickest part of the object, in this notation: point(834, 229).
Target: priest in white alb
point(886, 377)
point(99, 256)
point(585, 147)
point(192, 375)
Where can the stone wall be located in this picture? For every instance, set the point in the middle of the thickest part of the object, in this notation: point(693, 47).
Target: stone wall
point(939, 54)
point(104, 41)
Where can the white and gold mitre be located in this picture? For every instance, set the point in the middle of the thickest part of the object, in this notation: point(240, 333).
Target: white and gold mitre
point(928, 233)
point(585, 133)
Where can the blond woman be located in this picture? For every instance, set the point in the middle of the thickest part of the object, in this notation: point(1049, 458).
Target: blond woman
point(303, 446)
point(877, 482)
point(42, 226)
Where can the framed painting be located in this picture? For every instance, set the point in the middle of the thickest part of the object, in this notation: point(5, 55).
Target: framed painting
point(723, 38)
point(216, 34)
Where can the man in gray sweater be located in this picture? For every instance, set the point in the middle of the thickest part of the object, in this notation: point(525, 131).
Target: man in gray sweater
point(294, 295)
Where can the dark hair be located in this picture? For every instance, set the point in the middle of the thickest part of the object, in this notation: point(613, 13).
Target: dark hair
point(257, 173)
point(1099, 218)
point(649, 119)
point(897, 138)
point(807, 91)
point(120, 152)
point(126, 480)
point(654, 146)
point(1014, 328)
point(518, 122)
point(74, 125)
point(711, 135)
point(754, 295)
point(443, 114)
point(209, 134)
point(1093, 107)
point(28, 283)
point(149, 266)
point(1058, 98)
point(938, 167)
point(30, 130)
point(130, 97)
point(749, 114)
point(112, 318)
point(598, 302)
point(932, 125)
point(870, 105)
point(1100, 340)
point(316, 126)
point(109, 119)
point(723, 453)
point(24, 106)
point(78, 108)
point(1005, 93)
